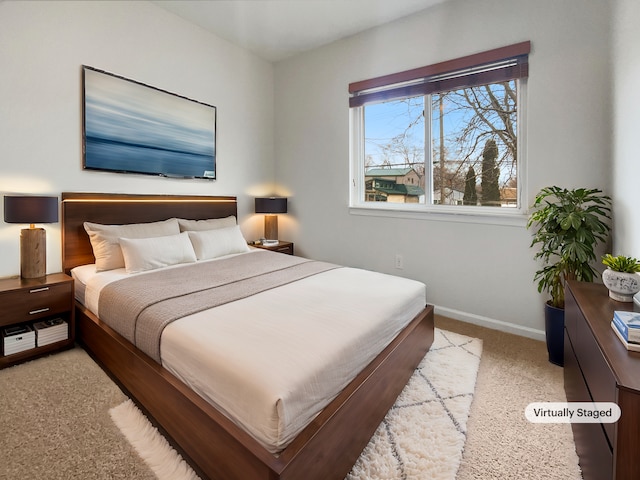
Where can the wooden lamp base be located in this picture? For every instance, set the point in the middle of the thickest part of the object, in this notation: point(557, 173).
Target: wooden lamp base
point(271, 227)
point(33, 252)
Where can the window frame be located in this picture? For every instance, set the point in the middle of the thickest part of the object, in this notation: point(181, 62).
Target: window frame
point(397, 84)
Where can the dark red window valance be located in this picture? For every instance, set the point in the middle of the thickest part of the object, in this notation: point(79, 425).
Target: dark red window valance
point(492, 66)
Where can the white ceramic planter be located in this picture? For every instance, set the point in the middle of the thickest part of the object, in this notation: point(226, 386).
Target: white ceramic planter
point(622, 286)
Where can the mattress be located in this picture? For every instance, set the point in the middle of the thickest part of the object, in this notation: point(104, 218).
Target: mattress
point(271, 362)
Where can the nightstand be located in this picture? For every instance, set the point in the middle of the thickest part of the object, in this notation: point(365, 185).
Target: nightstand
point(29, 301)
point(282, 247)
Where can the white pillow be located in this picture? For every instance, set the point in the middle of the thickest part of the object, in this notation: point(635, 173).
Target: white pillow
point(142, 254)
point(209, 224)
point(216, 243)
point(104, 239)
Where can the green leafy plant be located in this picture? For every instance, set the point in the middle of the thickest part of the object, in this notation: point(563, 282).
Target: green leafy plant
point(568, 225)
point(621, 263)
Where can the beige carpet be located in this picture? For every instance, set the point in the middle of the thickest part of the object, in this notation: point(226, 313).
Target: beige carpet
point(422, 436)
point(501, 443)
point(55, 425)
point(55, 422)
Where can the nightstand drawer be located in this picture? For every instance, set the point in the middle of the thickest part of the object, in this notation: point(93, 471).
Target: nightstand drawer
point(288, 249)
point(596, 371)
point(35, 302)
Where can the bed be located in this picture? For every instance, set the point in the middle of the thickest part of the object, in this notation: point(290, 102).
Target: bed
point(211, 440)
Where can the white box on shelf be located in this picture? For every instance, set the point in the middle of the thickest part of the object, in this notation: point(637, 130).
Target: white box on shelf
point(18, 339)
point(51, 331)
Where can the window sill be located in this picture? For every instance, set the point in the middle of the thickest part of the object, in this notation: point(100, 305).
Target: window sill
point(510, 219)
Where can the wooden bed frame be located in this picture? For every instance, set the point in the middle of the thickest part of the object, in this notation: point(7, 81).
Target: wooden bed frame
point(213, 445)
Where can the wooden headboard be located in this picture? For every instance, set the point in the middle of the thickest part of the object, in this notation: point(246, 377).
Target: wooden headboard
point(115, 208)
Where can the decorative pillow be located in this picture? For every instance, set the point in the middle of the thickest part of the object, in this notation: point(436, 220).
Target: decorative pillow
point(142, 254)
point(210, 224)
point(216, 243)
point(104, 239)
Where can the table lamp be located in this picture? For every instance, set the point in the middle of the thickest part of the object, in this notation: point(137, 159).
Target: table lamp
point(33, 241)
point(271, 206)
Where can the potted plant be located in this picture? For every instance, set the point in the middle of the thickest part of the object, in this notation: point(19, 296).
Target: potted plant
point(621, 277)
point(568, 225)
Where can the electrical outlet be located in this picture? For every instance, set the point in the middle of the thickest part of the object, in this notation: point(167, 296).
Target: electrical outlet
point(399, 261)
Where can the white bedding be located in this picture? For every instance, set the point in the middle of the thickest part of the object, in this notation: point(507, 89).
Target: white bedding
point(272, 361)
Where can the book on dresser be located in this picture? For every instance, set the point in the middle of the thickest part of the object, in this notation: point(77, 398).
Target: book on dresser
point(628, 324)
point(634, 347)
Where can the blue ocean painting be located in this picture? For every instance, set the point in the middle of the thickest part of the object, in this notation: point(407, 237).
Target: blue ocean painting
point(130, 127)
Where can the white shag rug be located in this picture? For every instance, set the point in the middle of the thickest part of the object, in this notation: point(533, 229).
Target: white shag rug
point(422, 436)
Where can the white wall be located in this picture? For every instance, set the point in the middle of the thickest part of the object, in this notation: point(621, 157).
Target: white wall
point(42, 48)
point(476, 272)
point(626, 55)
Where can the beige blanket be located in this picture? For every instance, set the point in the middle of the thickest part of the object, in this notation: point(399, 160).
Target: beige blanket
point(140, 307)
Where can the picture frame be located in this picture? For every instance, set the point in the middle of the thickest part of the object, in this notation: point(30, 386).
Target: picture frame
point(131, 127)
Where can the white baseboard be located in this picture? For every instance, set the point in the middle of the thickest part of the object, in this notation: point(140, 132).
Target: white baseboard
point(491, 323)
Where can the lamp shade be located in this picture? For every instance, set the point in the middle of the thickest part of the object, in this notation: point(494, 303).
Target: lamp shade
point(30, 209)
point(271, 205)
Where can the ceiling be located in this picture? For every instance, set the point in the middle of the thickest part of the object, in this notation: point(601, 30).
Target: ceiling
point(277, 29)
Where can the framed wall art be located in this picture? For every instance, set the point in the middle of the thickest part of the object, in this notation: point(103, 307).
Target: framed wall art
point(130, 127)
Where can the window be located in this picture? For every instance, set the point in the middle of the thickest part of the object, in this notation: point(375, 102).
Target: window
point(442, 137)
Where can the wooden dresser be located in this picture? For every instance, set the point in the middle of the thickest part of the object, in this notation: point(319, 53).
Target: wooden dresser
point(597, 367)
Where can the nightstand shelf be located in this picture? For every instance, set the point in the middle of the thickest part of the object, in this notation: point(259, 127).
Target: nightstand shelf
point(27, 301)
point(281, 247)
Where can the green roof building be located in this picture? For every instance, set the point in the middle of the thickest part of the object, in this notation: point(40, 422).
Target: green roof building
point(398, 185)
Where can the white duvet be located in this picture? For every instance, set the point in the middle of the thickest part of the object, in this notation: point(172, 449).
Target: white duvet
point(272, 361)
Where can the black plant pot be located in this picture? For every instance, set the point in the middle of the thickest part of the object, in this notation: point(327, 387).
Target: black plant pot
point(554, 330)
